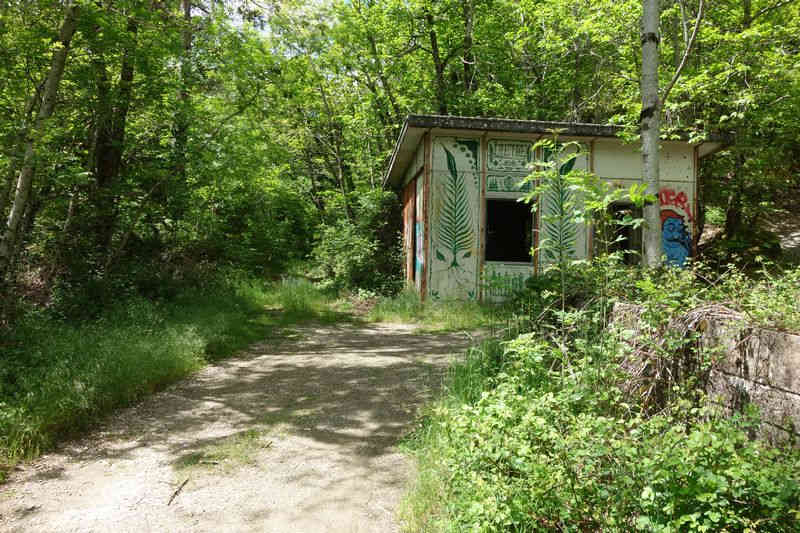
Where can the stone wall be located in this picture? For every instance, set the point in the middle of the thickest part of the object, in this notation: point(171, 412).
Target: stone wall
point(754, 366)
point(761, 367)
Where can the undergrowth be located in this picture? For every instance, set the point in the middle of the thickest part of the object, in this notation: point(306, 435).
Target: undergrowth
point(537, 432)
point(58, 377)
point(434, 315)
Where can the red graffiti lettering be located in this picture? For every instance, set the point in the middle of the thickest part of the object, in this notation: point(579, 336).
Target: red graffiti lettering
point(669, 197)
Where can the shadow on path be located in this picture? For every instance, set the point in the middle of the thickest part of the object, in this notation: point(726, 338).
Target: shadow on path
point(335, 401)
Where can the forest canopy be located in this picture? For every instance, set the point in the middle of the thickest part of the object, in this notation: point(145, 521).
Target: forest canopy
point(162, 139)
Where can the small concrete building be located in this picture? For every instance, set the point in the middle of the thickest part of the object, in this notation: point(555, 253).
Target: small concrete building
point(465, 235)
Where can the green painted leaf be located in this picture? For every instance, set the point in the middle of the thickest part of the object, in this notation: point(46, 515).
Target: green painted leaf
point(454, 228)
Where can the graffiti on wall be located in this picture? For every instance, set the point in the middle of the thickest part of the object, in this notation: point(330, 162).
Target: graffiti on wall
point(676, 220)
point(454, 218)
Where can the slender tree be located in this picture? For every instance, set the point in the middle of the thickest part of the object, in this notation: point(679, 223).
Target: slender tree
point(25, 178)
point(650, 126)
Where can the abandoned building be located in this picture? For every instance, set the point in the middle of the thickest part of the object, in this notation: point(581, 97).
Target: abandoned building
point(466, 235)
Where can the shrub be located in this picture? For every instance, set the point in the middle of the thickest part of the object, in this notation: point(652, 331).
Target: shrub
point(535, 433)
point(363, 252)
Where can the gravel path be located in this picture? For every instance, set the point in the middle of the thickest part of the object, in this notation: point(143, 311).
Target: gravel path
point(295, 437)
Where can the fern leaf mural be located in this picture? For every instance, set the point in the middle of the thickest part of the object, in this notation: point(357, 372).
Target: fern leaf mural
point(455, 234)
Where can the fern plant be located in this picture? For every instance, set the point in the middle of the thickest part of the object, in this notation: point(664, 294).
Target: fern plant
point(556, 196)
point(560, 226)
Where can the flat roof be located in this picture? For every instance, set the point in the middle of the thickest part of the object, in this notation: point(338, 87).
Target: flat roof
point(415, 126)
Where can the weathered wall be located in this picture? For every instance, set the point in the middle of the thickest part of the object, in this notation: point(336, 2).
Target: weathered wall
point(621, 163)
point(419, 232)
point(413, 219)
point(761, 367)
point(752, 366)
point(455, 217)
point(409, 200)
point(416, 164)
point(456, 203)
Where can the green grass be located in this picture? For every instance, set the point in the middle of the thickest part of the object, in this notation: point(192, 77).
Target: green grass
point(432, 315)
point(424, 507)
point(236, 450)
point(57, 378)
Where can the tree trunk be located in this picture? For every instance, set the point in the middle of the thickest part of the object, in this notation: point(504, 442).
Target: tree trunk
point(469, 57)
point(747, 14)
point(650, 128)
point(25, 178)
point(181, 126)
point(5, 190)
point(438, 65)
point(109, 141)
point(16, 146)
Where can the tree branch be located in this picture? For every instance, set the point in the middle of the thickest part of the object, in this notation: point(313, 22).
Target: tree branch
point(767, 9)
point(685, 55)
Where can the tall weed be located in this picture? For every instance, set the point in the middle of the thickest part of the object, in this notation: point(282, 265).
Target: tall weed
point(450, 315)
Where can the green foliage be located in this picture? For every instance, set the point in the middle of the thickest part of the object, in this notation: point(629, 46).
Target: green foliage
point(260, 141)
point(771, 300)
point(558, 199)
point(57, 377)
point(267, 226)
point(539, 433)
point(434, 315)
point(362, 253)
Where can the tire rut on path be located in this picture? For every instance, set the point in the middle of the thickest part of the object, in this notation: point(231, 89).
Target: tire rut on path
point(316, 420)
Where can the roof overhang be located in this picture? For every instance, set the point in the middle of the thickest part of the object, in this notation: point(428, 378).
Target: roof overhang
point(415, 127)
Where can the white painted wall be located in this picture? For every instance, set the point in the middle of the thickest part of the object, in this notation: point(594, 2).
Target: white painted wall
point(455, 216)
point(457, 276)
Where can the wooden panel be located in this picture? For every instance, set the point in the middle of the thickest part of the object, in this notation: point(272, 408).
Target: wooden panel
point(482, 226)
point(409, 193)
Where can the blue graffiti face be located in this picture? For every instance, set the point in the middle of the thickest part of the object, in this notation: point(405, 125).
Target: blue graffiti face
point(676, 241)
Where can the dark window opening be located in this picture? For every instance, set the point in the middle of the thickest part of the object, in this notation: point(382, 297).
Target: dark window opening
point(623, 237)
point(509, 228)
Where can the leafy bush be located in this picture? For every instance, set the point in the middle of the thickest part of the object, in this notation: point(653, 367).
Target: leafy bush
point(536, 434)
point(363, 252)
point(551, 446)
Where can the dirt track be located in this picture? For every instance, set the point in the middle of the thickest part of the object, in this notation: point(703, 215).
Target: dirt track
point(313, 422)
